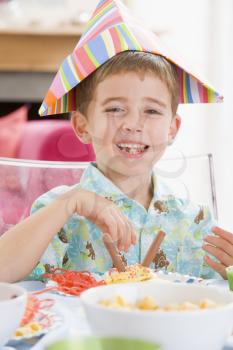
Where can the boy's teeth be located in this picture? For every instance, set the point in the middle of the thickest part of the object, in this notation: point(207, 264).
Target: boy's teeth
point(126, 145)
point(132, 148)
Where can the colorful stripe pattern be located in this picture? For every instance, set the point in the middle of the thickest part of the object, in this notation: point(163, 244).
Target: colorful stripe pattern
point(112, 30)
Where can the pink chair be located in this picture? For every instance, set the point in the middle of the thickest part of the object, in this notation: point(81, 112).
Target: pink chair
point(41, 140)
point(21, 182)
point(52, 140)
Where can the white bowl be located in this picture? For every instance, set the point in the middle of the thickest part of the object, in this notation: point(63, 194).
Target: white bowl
point(177, 330)
point(12, 306)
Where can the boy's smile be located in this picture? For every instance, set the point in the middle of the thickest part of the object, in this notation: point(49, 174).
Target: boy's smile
point(129, 123)
point(132, 149)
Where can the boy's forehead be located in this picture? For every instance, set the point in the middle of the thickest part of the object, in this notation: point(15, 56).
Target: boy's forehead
point(127, 86)
point(123, 80)
point(110, 31)
point(130, 74)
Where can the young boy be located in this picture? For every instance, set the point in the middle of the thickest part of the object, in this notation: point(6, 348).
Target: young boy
point(127, 110)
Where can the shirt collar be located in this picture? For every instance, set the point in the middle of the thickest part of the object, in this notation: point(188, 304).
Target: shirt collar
point(94, 180)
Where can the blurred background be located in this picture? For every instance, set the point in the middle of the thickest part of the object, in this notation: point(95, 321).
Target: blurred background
point(36, 35)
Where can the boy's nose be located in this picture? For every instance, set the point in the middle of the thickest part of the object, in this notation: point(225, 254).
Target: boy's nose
point(131, 129)
point(132, 125)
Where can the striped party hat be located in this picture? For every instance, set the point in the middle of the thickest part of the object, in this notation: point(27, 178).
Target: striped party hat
point(112, 30)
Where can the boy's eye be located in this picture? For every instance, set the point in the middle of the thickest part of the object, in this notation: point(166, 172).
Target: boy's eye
point(115, 110)
point(153, 111)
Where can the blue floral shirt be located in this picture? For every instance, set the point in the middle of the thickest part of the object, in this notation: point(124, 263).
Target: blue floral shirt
point(79, 246)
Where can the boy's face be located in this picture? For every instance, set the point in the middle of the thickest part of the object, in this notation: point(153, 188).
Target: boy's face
point(129, 122)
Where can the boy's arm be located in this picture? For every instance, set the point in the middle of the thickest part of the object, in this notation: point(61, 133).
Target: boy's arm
point(30, 238)
point(23, 245)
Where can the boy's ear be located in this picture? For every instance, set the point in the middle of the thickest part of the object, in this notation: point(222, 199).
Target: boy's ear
point(174, 128)
point(80, 125)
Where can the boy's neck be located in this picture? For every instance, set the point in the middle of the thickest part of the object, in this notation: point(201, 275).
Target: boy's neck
point(143, 193)
point(139, 188)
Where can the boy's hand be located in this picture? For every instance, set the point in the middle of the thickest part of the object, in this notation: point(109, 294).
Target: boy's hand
point(106, 215)
point(221, 247)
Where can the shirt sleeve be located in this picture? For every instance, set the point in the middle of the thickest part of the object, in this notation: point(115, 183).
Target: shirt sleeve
point(56, 250)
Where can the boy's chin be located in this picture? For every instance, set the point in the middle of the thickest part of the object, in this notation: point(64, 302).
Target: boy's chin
point(127, 168)
point(137, 165)
point(130, 170)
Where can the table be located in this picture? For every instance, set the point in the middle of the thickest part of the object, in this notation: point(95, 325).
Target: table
point(75, 322)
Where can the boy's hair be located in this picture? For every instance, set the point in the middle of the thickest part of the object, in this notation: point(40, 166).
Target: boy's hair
point(130, 61)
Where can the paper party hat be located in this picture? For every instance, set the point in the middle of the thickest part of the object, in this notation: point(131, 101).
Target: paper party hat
point(112, 30)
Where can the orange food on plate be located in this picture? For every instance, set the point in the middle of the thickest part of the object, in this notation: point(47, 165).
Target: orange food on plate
point(34, 307)
point(72, 282)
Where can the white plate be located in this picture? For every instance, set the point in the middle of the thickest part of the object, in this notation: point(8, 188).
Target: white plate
point(55, 321)
point(61, 331)
point(179, 278)
point(51, 283)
